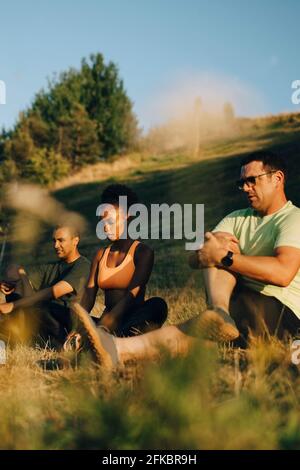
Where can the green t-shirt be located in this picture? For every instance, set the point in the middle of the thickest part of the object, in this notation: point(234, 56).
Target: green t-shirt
point(46, 275)
point(259, 236)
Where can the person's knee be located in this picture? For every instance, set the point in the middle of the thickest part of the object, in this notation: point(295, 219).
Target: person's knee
point(160, 309)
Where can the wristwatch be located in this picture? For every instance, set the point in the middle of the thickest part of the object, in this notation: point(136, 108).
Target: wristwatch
point(227, 260)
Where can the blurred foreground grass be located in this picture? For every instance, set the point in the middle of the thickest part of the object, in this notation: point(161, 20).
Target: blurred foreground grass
point(214, 399)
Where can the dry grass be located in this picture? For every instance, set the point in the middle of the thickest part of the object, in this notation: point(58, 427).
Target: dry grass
point(100, 171)
point(214, 399)
point(220, 398)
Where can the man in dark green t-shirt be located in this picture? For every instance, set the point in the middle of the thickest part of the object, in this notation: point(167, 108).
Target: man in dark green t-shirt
point(45, 292)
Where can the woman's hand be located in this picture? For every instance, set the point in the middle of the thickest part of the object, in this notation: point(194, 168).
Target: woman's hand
point(108, 321)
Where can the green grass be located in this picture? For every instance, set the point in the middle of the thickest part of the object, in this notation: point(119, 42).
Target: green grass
point(217, 398)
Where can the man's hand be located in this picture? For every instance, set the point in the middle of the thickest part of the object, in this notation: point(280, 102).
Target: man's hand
point(6, 308)
point(212, 252)
point(6, 287)
point(215, 245)
point(229, 242)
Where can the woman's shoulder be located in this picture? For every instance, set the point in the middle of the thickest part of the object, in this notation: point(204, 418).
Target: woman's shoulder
point(99, 253)
point(143, 250)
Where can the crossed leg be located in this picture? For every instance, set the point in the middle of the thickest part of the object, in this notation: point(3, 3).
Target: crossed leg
point(177, 340)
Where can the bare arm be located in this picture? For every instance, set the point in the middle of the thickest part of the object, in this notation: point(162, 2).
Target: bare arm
point(228, 241)
point(58, 290)
point(91, 289)
point(144, 259)
point(279, 269)
point(17, 281)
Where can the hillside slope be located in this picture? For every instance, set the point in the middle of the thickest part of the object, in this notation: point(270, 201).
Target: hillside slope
point(208, 179)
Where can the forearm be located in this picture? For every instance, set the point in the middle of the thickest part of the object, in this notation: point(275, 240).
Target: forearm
point(267, 269)
point(37, 297)
point(111, 319)
point(88, 298)
point(22, 286)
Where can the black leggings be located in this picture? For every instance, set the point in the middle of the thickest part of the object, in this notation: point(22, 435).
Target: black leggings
point(147, 317)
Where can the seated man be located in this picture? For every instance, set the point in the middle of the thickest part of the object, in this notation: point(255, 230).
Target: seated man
point(252, 258)
point(251, 267)
point(45, 292)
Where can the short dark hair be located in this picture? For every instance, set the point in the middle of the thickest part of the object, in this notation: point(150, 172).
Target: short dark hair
point(269, 159)
point(74, 231)
point(112, 193)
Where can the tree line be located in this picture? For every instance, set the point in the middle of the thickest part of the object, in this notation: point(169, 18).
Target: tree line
point(83, 116)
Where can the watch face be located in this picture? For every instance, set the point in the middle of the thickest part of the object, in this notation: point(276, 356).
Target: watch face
point(227, 260)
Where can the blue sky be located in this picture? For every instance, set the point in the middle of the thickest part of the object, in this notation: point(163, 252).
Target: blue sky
point(243, 51)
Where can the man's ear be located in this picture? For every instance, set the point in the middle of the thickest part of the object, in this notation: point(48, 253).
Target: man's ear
point(76, 240)
point(279, 176)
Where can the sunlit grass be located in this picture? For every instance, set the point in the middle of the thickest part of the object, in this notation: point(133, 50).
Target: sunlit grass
point(218, 397)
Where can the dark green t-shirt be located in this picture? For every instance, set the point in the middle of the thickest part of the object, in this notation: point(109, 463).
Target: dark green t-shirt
point(47, 275)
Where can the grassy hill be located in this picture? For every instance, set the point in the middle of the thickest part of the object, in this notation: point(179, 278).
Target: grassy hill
point(217, 398)
point(208, 178)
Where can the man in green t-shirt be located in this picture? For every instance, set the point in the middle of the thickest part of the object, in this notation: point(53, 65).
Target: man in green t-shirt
point(251, 260)
point(39, 297)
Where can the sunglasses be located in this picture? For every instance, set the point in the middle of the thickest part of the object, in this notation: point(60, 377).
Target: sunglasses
point(251, 180)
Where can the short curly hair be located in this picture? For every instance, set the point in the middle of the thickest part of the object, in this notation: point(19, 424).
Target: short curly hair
point(112, 193)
